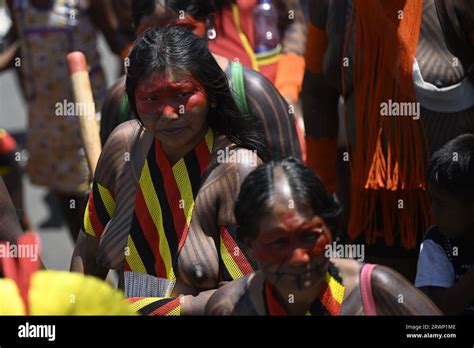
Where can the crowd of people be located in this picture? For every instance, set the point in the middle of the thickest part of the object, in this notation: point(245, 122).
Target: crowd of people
point(245, 141)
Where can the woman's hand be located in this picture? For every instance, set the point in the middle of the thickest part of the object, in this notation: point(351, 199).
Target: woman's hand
point(84, 256)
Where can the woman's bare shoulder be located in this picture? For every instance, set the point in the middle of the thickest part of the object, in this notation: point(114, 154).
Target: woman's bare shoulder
point(117, 151)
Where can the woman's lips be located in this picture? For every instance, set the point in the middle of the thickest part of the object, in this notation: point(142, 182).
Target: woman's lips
point(315, 269)
point(307, 272)
point(171, 130)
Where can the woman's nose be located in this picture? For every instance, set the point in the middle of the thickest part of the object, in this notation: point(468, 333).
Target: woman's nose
point(299, 257)
point(170, 112)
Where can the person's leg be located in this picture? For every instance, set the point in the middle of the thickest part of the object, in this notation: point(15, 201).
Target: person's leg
point(73, 206)
point(12, 174)
point(14, 184)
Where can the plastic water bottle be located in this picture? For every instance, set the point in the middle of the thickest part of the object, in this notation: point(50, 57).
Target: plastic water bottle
point(266, 26)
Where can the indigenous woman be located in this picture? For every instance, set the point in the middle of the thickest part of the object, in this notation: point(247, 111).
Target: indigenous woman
point(284, 216)
point(406, 92)
point(161, 207)
point(254, 94)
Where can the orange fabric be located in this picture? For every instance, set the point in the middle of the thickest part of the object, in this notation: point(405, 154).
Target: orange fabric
point(322, 158)
point(315, 49)
point(289, 75)
point(388, 162)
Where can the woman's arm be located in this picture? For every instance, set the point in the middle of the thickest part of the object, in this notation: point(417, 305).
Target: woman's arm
point(114, 110)
point(394, 295)
point(294, 36)
point(453, 300)
point(10, 228)
point(101, 203)
point(7, 57)
point(274, 114)
point(83, 257)
point(290, 70)
point(104, 18)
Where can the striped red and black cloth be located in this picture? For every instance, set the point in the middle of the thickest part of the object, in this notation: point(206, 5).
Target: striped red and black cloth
point(163, 208)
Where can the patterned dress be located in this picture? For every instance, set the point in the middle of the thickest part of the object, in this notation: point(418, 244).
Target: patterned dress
point(56, 156)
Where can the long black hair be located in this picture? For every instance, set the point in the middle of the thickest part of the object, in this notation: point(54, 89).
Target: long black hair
point(257, 195)
point(177, 48)
point(452, 167)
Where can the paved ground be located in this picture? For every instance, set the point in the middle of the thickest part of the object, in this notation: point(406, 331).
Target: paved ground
point(57, 245)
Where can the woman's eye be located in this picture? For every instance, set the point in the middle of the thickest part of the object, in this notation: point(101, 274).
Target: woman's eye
point(279, 242)
point(311, 237)
point(151, 99)
point(184, 94)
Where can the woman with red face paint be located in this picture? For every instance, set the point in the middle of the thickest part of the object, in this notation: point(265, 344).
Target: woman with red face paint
point(253, 92)
point(284, 216)
point(160, 210)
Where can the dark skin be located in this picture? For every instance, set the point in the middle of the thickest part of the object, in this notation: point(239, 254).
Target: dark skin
point(15, 188)
point(10, 228)
point(171, 94)
point(454, 218)
point(158, 99)
point(263, 99)
point(289, 249)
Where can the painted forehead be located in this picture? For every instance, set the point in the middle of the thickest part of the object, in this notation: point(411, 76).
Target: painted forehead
point(283, 203)
point(170, 76)
point(282, 189)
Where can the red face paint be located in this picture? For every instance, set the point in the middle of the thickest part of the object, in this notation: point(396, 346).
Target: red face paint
point(169, 105)
point(163, 97)
point(292, 242)
point(289, 220)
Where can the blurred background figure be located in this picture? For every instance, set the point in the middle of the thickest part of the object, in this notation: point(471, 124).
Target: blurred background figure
point(11, 172)
point(46, 31)
point(125, 31)
point(267, 36)
point(363, 55)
